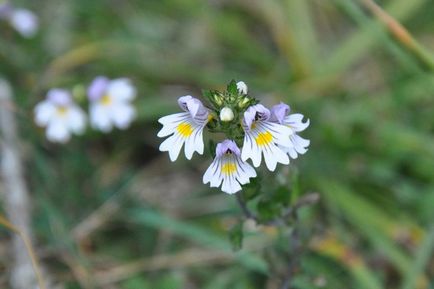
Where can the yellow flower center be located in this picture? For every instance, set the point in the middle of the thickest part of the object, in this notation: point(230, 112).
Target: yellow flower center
point(105, 100)
point(264, 138)
point(210, 117)
point(228, 169)
point(62, 110)
point(185, 129)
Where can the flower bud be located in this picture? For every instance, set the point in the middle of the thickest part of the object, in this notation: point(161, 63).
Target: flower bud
point(226, 114)
point(243, 102)
point(218, 99)
point(242, 87)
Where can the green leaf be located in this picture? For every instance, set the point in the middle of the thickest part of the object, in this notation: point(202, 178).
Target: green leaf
point(232, 88)
point(252, 189)
point(199, 235)
point(268, 209)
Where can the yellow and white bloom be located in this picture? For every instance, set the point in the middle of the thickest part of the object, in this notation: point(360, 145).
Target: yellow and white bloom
point(60, 115)
point(263, 137)
point(184, 128)
point(280, 114)
point(110, 103)
point(228, 168)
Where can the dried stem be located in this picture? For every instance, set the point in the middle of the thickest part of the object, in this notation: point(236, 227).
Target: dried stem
point(402, 35)
point(294, 239)
point(17, 200)
point(29, 248)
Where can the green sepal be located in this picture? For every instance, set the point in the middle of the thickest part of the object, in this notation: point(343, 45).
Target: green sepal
point(232, 88)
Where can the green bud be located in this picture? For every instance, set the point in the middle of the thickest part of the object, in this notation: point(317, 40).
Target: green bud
point(243, 103)
point(218, 99)
point(226, 114)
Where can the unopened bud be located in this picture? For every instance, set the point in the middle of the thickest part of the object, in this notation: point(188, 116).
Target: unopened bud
point(226, 114)
point(242, 87)
point(218, 99)
point(243, 102)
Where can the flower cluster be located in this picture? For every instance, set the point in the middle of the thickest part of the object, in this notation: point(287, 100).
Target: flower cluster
point(271, 134)
point(22, 20)
point(109, 106)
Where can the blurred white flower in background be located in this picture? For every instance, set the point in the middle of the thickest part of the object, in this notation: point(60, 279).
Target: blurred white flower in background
point(25, 22)
point(110, 103)
point(60, 115)
point(22, 20)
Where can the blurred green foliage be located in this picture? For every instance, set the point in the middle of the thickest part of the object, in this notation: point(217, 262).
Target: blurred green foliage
point(110, 210)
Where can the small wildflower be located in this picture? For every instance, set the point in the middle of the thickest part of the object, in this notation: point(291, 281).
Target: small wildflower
point(22, 20)
point(264, 137)
point(60, 115)
point(185, 127)
point(226, 114)
point(228, 168)
point(238, 116)
point(110, 103)
point(242, 87)
point(280, 114)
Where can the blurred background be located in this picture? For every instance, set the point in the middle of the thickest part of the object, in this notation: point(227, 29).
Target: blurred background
point(111, 211)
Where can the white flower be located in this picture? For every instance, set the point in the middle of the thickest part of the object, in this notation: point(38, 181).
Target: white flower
point(110, 103)
point(242, 87)
point(264, 137)
point(226, 114)
point(185, 127)
point(280, 114)
point(228, 168)
point(60, 116)
point(24, 21)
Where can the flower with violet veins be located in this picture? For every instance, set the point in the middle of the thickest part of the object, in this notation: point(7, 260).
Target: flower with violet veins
point(184, 128)
point(242, 87)
point(60, 115)
point(228, 168)
point(264, 137)
point(280, 114)
point(110, 103)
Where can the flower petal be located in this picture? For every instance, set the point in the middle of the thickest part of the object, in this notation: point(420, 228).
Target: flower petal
point(100, 118)
point(57, 131)
point(44, 111)
point(123, 115)
point(76, 119)
point(97, 88)
point(121, 89)
point(24, 21)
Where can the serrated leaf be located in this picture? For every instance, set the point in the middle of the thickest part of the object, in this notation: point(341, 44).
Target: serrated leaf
point(268, 209)
point(232, 88)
